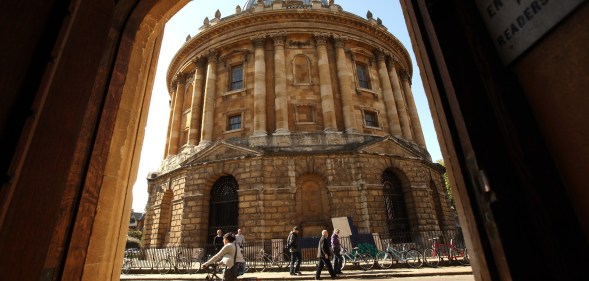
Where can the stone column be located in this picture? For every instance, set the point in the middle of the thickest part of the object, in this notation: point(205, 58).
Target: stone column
point(259, 88)
point(281, 100)
point(206, 134)
point(327, 103)
point(389, 99)
point(196, 107)
point(417, 132)
point(170, 117)
point(345, 79)
point(177, 114)
point(401, 107)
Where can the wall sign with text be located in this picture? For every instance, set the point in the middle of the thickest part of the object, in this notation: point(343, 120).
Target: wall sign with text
point(515, 25)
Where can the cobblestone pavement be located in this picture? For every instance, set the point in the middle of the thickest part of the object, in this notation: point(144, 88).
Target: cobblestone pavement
point(309, 274)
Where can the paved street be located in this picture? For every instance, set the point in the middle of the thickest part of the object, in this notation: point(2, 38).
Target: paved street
point(458, 273)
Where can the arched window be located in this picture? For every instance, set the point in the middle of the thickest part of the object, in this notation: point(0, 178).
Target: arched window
point(397, 219)
point(223, 206)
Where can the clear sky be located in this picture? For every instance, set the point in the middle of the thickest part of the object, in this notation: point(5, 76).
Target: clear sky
point(190, 18)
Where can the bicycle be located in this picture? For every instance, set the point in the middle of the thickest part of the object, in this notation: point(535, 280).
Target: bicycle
point(364, 260)
point(127, 264)
point(179, 263)
point(412, 257)
point(265, 260)
point(212, 271)
point(432, 256)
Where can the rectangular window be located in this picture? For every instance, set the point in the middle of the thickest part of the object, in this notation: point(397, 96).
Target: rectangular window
point(363, 76)
point(234, 122)
point(371, 119)
point(236, 77)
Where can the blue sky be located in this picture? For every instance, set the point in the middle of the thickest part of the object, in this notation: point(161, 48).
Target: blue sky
point(190, 18)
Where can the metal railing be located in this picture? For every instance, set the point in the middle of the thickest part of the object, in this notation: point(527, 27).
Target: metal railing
point(147, 258)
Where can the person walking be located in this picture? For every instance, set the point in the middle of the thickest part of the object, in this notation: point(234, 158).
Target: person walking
point(337, 256)
point(323, 254)
point(229, 255)
point(218, 241)
point(239, 238)
point(292, 243)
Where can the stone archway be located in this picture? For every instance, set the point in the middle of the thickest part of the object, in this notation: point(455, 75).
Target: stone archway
point(91, 191)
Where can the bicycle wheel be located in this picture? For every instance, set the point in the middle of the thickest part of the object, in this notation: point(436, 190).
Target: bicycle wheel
point(413, 258)
point(247, 264)
point(163, 266)
point(461, 255)
point(384, 259)
point(127, 267)
point(196, 265)
point(431, 258)
point(366, 261)
point(343, 262)
point(183, 265)
point(281, 260)
point(260, 264)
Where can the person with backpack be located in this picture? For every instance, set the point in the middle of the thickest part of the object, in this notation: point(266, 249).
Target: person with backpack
point(292, 243)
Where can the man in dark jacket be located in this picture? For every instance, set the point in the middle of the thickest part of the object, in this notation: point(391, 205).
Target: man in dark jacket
point(323, 254)
point(292, 243)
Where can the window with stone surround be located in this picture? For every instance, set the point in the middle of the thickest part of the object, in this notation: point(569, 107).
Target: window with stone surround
point(363, 75)
point(234, 66)
point(371, 118)
point(236, 77)
point(234, 120)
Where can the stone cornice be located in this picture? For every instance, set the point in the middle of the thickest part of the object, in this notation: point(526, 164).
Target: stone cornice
point(309, 22)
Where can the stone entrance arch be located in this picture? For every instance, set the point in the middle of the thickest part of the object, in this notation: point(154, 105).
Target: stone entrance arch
point(76, 89)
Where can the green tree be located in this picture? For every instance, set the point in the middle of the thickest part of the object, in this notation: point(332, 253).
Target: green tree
point(135, 233)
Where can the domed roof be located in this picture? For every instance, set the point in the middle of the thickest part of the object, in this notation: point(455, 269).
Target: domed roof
point(250, 3)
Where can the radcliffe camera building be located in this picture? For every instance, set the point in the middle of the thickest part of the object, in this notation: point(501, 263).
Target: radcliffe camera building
point(291, 113)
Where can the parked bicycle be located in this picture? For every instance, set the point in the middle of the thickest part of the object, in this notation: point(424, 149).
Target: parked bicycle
point(364, 260)
point(179, 262)
point(264, 260)
point(432, 256)
point(411, 257)
point(127, 264)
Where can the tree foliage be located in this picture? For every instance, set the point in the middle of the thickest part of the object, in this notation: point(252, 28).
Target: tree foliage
point(135, 233)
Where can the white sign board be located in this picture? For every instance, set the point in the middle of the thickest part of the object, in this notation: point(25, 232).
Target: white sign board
point(515, 25)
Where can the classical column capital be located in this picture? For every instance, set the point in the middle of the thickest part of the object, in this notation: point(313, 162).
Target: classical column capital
point(393, 61)
point(212, 55)
point(340, 40)
point(380, 55)
point(199, 62)
point(279, 38)
point(179, 79)
point(259, 40)
point(405, 75)
point(320, 38)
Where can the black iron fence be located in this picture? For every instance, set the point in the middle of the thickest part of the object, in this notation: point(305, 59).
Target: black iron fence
point(148, 258)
